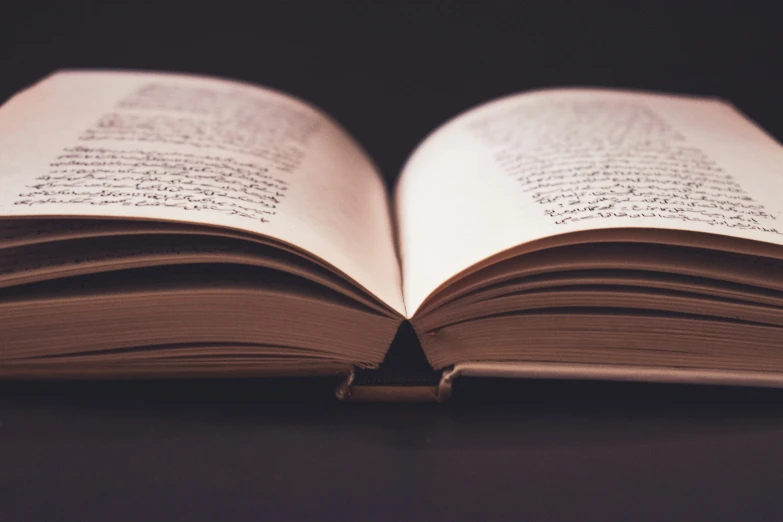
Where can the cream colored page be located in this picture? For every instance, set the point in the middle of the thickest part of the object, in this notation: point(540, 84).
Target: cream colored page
point(535, 165)
point(200, 150)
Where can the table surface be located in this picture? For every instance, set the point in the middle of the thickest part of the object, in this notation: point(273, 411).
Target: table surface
point(538, 450)
point(251, 450)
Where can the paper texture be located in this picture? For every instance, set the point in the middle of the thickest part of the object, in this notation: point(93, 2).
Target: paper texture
point(536, 165)
point(209, 151)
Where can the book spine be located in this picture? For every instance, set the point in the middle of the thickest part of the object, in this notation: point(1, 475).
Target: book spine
point(353, 390)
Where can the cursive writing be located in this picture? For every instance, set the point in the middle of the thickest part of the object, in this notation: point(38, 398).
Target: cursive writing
point(138, 178)
point(590, 160)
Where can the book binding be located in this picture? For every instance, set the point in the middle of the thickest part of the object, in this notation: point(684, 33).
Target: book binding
point(354, 390)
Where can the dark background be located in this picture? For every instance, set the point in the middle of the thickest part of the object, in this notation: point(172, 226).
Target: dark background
point(391, 72)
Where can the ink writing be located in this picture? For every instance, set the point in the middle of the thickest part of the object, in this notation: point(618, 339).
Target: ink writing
point(593, 159)
point(138, 178)
point(204, 118)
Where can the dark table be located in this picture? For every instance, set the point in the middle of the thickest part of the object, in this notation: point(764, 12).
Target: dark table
point(251, 450)
point(258, 450)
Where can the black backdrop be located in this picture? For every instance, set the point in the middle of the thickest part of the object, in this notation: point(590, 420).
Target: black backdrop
point(391, 72)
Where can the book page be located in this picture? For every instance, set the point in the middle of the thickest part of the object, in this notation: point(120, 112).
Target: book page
point(198, 150)
point(536, 165)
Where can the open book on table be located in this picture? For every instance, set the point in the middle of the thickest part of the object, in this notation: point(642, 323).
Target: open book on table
point(173, 225)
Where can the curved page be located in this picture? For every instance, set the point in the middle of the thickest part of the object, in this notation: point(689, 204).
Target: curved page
point(198, 150)
point(536, 165)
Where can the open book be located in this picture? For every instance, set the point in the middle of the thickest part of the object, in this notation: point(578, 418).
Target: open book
point(167, 225)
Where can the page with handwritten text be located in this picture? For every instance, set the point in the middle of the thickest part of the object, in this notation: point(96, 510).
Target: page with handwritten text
point(540, 164)
point(198, 150)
